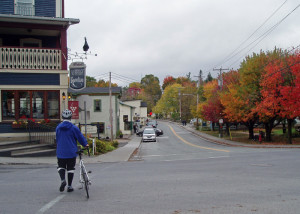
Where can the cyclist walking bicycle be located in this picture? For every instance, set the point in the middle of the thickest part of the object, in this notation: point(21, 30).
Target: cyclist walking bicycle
point(67, 136)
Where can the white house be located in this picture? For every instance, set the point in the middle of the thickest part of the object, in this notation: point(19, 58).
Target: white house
point(130, 112)
point(126, 118)
point(97, 102)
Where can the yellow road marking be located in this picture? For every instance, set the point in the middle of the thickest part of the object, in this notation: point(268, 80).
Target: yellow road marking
point(190, 144)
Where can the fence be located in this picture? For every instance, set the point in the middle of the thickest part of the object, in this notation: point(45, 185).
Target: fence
point(40, 132)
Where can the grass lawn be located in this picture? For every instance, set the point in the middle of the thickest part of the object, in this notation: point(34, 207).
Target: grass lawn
point(242, 136)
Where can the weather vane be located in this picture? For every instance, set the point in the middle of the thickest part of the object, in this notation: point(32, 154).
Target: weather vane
point(81, 56)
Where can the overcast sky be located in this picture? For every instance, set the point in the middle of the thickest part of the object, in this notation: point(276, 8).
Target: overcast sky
point(134, 38)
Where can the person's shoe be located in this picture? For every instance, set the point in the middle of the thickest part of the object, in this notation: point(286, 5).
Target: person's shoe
point(62, 186)
point(70, 189)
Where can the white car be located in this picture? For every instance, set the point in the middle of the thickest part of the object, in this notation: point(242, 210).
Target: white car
point(149, 135)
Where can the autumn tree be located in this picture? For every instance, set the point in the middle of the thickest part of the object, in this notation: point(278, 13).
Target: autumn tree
point(168, 105)
point(269, 112)
point(151, 91)
point(210, 109)
point(279, 92)
point(247, 91)
point(168, 80)
point(92, 82)
point(102, 84)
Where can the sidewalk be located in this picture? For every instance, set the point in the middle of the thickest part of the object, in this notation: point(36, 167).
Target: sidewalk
point(121, 154)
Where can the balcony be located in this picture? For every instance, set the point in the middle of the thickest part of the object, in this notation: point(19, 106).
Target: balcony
point(30, 58)
point(25, 9)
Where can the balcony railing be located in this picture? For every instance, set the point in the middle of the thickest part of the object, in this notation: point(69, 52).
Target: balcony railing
point(25, 9)
point(29, 58)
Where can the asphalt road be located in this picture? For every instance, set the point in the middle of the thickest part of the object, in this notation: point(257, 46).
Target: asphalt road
point(178, 174)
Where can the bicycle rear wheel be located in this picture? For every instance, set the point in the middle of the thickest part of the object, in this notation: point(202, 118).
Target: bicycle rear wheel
point(86, 183)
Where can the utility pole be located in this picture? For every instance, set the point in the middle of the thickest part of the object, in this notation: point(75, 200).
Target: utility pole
point(220, 76)
point(199, 83)
point(110, 110)
point(221, 87)
point(179, 96)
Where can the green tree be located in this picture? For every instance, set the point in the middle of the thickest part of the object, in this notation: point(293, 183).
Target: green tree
point(151, 91)
point(90, 81)
point(168, 104)
point(209, 78)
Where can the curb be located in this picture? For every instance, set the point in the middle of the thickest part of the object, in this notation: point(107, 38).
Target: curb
point(235, 144)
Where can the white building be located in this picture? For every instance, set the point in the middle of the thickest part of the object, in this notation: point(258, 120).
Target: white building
point(97, 102)
point(131, 112)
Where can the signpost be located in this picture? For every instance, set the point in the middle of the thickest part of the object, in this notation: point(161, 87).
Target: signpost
point(77, 75)
point(221, 127)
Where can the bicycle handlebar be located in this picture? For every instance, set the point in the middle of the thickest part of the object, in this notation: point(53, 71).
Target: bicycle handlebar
point(80, 150)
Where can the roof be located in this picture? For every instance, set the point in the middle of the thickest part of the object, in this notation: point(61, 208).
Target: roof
point(124, 104)
point(143, 104)
point(96, 90)
point(38, 20)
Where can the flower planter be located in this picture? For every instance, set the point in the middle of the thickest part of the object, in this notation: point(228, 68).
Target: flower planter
point(18, 126)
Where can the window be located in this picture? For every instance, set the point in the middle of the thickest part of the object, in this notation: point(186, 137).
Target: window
point(38, 104)
point(24, 7)
point(127, 125)
point(8, 105)
point(53, 104)
point(24, 99)
point(97, 105)
point(101, 128)
point(29, 104)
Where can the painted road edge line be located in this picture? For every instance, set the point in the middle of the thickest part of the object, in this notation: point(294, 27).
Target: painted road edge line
point(190, 144)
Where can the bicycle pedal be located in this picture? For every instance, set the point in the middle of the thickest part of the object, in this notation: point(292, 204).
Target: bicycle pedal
point(89, 171)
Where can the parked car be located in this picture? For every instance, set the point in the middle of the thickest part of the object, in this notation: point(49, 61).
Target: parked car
point(159, 132)
point(149, 135)
point(140, 131)
point(152, 123)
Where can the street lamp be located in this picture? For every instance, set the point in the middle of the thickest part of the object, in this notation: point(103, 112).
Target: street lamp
point(63, 95)
point(85, 46)
point(64, 98)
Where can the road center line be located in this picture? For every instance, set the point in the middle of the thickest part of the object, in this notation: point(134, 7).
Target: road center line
point(50, 204)
point(190, 144)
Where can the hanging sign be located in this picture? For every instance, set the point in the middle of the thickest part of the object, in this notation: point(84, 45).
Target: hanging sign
point(74, 108)
point(77, 75)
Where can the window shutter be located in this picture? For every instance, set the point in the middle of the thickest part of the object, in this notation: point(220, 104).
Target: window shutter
point(45, 8)
point(7, 6)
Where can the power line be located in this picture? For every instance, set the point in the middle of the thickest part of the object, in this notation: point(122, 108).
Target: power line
point(229, 55)
point(264, 35)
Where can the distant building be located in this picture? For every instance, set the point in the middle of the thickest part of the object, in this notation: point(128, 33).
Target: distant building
point(97, 103)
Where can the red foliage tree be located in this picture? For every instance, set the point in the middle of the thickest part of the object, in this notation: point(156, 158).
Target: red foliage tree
point(280, 93)
point(168, 80)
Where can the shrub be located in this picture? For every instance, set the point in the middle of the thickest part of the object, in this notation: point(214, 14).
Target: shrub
point(204, 128)
point(115, 144)
point(103, 146)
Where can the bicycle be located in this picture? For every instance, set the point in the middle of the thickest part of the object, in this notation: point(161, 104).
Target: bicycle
point(83, 174)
